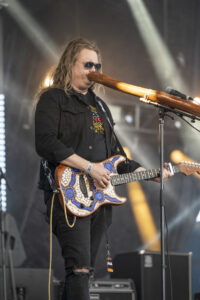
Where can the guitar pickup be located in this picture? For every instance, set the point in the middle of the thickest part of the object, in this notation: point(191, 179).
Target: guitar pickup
point(83, 186)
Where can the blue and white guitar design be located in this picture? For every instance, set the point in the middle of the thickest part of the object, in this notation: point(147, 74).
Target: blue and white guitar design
point(82, 196)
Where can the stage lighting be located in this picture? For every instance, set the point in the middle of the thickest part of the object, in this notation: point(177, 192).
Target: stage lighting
point(128, 115)
point(177, 156)
point(196, 100)
point(128, 118)
point(48, 81)
point(3, 3)
point(198, 217)
point(2, 152)
point(162, 60)
point(34, 31)
point(177, 124)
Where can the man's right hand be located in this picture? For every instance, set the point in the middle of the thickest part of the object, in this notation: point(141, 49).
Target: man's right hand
point(100, 174)
point(97, 171)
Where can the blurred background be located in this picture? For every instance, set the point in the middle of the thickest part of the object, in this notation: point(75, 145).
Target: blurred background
point(152, 44)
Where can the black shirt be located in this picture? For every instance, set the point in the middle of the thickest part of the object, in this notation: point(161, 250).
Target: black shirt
point(99, 152)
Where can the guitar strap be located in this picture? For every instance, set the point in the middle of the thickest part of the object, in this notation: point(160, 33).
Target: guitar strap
point(111, 126)
point(128, 165)
point(108, 247)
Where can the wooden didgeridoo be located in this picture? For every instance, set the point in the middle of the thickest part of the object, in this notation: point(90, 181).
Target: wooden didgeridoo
point(161, 98)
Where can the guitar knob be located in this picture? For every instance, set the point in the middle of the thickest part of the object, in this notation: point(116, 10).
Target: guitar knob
point(82, 205)
point(91, 197)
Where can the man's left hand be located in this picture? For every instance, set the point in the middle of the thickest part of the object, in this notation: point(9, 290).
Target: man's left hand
point(166, 173)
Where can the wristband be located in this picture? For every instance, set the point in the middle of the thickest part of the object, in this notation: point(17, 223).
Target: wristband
point(89, 167)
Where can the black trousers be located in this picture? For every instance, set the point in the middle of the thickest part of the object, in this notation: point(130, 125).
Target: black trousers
point(79, 247)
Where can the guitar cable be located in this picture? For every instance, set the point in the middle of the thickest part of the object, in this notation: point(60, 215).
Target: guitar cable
point(50, 246)
point(66, 216)
point(55, 190)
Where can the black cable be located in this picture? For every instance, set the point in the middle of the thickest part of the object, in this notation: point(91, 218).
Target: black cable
point(182, 117)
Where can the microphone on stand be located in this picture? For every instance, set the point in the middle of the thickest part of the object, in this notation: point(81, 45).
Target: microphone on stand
point(178, 94)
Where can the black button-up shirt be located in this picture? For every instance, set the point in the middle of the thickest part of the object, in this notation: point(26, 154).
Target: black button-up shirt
point(63, 127)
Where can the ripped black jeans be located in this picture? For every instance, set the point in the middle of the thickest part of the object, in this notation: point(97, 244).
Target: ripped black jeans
point(79, 247)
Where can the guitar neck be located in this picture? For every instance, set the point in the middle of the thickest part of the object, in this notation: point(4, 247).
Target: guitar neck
point(137, 176)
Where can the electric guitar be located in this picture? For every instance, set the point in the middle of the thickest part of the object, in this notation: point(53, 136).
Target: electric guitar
point(82, 196)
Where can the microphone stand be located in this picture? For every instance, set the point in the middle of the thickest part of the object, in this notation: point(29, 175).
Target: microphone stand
point(162, 113)
point(162, 202)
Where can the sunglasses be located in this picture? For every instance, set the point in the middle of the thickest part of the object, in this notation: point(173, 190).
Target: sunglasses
point(89, 65)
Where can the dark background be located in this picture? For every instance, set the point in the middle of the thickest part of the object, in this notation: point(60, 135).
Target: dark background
point(111, 25)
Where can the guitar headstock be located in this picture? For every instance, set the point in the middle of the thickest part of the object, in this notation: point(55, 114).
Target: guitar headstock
point(189, 168)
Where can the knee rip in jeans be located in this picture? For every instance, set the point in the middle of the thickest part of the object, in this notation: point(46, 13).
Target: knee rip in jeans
point(79, 271)
point(82, 271)
point(88, 271)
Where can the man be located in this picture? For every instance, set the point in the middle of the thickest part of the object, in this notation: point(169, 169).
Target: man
point(73, 130)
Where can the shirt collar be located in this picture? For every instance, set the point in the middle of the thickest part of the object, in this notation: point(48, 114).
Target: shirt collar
point(81, 96)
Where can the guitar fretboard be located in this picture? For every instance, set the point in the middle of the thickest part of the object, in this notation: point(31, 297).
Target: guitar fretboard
point(137, 176)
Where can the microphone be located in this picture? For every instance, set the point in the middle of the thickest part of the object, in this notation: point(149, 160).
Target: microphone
point(176, 93)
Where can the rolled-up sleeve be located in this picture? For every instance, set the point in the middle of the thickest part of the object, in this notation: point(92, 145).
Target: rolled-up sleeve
point(47, 122)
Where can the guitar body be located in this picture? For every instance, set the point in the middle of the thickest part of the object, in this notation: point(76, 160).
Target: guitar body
point(80, 194)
